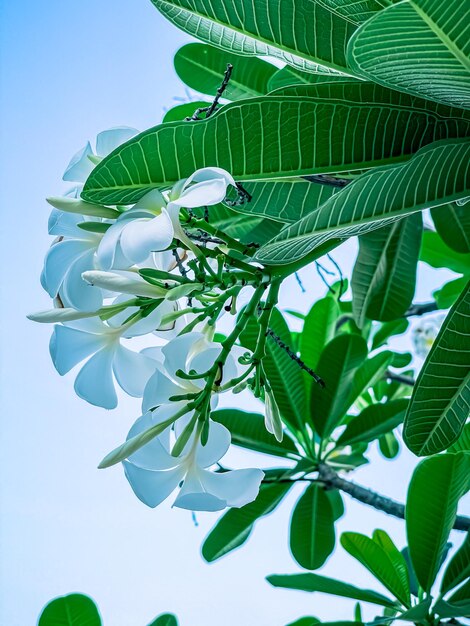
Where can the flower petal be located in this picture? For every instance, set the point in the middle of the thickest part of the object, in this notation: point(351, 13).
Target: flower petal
point(236, 488)
point(154, 455)
point(152, 201)
point(80, 166)
point(75, 292)
point(65, 224)
point(159, 389)
point(178, 351)
point(194, 496)
point(69, 346)
point(95, 383)
point(141, 237)
point(109, 251)
point(132, 370)
point(152, 487)
point(58, 261)
point(216, 447)
point(109, 139)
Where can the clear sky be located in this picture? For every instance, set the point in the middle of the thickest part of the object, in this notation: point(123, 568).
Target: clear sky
point(69, 70)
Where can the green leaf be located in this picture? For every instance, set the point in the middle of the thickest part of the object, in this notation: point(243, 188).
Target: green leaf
point(374, 421)
point(312, 530)
point(284, 201)
point(291, 76)
point(435, 175)
point(419, 612)
point(384, 275)
point(389, 445)
point(319, 328)
point(458, 568)
point(450, 292)
point(462, 594)
point(452, 222)
point(435, 489)
point(202, 68)
point(463, 442)
point(337, 367)
point(314, 582)
point(235, 526)
point(387, 330)
point(448, 609)
point(383, 562)
point(167, 619)
point(255, 29)
point(248, 431)
point(74, 609)
point(396, 558)
point(182, 111)
point(272, 138)
point(305, 621)
point(356, 12)
point(440, 402)
point(417, 47)
point(369, 373)
point(436, 253)
point(414, 585)
point(336, 502)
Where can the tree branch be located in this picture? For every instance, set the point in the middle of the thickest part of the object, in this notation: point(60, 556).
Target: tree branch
point(400, 378)
point(421, 309)
point(331, 480)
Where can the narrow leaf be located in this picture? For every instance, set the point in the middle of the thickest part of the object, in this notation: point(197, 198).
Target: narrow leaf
point(374, 421)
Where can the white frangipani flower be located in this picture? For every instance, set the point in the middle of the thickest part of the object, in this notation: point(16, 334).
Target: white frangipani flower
point(424, 333)
point(100, 343)
point(152, 224)
point(154, 473)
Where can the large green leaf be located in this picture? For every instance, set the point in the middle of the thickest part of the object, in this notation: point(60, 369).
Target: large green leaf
point(182, 111)
point(449, 293)
point(312, 529)
point(248, 431)
point(418, 47)
point(266, 28)
point(452, 222)
point(235, 526)
point(356, 11)
point(463, 442)
point(319, 328)
point(289, 75)
point(379, 562)
point(72, 610)
point(387, 330)
point(337, 366)
point(440, 404)
point(435, 175)
point(458, 568)
point(384, 275)
point(437, 253)
point(265, 139)
point(451, 609)
point(369, 373)
point(285, 201)
point(314, 582)
point(373, 421)
point(435, 489)
point(202, 68)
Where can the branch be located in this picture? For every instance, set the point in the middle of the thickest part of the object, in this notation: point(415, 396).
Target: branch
point(330, 181)
point(421, 309)
point(331, 480)
point(400, 378)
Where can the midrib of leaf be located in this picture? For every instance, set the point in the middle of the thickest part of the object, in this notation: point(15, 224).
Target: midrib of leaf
point(312, 525)
point(459, 55)
point(270, 44)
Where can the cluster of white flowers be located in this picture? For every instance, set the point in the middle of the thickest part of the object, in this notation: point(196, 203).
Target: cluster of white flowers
point(101, 300)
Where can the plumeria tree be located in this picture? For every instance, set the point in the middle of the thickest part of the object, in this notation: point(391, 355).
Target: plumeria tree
point(357, 126)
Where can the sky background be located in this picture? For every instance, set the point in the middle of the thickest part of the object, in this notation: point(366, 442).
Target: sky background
point(69, 70)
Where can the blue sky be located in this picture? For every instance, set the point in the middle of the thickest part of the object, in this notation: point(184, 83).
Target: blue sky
point(69, 70)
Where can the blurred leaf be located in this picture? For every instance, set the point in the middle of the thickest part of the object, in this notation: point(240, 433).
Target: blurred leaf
point(384, 275)
point(248, 431)
point(74, 609)
point(305, 621)
point(167, 619)
point(182, 111)
point(389, 445)
point(448, 609)
point(312, 530)
point(337, 504)
point(436, 253)
point(387, 330)
point(449, 293)
point(435, 489)
point(440, 402)
point(314, 582)
point(374, 421)
point(369, 373)
point(452, 222)
point(337, 366)
point(202, 68)
point(401, 359)
point(382, 561)
point(235, 526)
point(414, 585)
point(458, 568)
point(463, 442)
point(462, 594)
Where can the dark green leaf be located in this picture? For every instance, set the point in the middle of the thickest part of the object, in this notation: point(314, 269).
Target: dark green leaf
point(384, 276)
point(319, 328)
point(248, 431)
point(182, 111)
point(202, 68)
point(436, 487)
point(305, 621)
point(450, 292)
point(458, 568)
point(312, 530)
point(452, 222)
point(437, 253)
point(337, 367)
point(71, 610)
point(374, 421)
point(369, 373)
point(463, 442)
point(440, 402)
point(289, 75)
point(314, 582)
point(389, 446)
point(448, 609)
point(387, 330)
point(167, 619)
point(235, 526)
point(336, 502)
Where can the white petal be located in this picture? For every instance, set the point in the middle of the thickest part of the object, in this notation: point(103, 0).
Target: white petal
point(95, 383)
point(216, 447)
point(152, 487)
point(178, 351)
point(164, 260)
point(145, 325)
point(58, 261)
point(80, 166)
point(65, 224)
point(69, 346)
point(58, 315)
point(75, 292)
point(152, 201)
point(208, 174)
point(141, 237)
point(202, 361)
point(203, 194)
point(236, 488)
point(109, 252)
point(124, 283)
point(194, 496)
point(132, 370)
point(108, 140)
point(154, 455)
point(159, 389)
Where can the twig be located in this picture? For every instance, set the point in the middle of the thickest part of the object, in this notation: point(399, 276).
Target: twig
point(421, 309)
point(399, 378)
point(215, 103)
point(294, 357)
point(179, 263)
point(330, 181)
